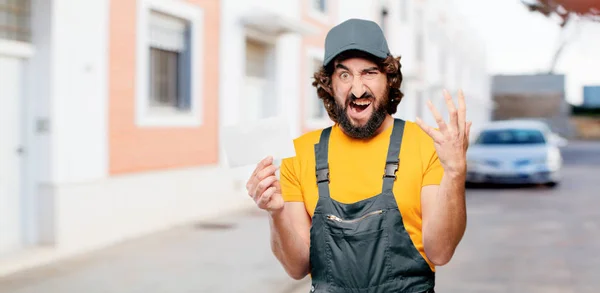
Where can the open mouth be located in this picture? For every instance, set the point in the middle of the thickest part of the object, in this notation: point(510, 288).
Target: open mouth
point(360, 105)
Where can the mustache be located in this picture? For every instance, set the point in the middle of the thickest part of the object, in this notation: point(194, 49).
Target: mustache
point(352, 97)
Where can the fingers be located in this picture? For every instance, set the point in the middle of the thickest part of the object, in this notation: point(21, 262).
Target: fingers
point(434, 134)
point(452, 112)
point(261, 176)
point(263, 185)
point(438, 117)
point(262, 170)
point(262, 164)
point(266, 196)
point(462, 112)
point(266, 172)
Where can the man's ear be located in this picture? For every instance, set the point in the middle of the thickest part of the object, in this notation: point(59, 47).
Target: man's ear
point(328, 90)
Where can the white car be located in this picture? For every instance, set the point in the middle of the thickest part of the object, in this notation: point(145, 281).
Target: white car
point(515, 152)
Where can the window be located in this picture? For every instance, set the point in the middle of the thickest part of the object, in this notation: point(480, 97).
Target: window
point(315, 114)
point(511, 136)
point(320, 5)
point(169, 63)
point(15, 20)
point(318, 10)
point(317, 110)
point(259, 99)
point(169, 51)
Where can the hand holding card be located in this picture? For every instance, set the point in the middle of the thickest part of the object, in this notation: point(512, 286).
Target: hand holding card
point(262, 144)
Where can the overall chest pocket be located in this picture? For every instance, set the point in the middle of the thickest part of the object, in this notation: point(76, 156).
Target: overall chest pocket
point(358, 250)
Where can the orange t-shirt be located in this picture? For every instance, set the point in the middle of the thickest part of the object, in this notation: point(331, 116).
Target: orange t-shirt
point(356, 170)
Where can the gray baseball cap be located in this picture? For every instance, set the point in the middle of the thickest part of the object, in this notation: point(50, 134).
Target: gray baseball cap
point(355, 34)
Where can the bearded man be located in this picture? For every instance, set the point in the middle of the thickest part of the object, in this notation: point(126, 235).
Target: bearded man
point(372, 203)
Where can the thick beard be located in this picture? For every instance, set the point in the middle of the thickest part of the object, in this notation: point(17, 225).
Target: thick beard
point(368, 130)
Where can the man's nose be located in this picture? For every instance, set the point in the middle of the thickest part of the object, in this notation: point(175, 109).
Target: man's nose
point(358, 87)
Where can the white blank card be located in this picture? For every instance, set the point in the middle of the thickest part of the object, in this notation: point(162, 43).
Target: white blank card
point(248, 143)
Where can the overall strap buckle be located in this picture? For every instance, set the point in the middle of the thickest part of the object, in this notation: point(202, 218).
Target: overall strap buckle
point(390, 169)
point(323, 175)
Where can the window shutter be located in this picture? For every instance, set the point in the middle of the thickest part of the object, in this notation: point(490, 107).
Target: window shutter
point(167, 32)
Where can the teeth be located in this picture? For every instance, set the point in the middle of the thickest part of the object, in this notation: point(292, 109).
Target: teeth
point(362, 103)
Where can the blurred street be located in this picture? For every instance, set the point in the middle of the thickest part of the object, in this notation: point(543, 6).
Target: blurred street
point(524, 239)
point(230, 254)
point(533, 239)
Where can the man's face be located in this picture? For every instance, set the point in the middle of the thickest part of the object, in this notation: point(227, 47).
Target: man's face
point(360, 92)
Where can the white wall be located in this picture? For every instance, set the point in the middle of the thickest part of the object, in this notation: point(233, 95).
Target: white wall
point(11, 79)
point(117, 208)
point(78, 74)
point(36, 98)
point(358, 9)
point(67, 109)
point(39, 139)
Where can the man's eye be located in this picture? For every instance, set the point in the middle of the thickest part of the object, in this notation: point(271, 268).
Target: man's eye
point(344, 75)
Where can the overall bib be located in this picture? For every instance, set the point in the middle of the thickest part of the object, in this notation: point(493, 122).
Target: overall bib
point(364, 247)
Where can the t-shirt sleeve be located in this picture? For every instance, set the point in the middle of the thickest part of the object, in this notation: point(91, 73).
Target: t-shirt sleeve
point(289, 180)
point(433, 170)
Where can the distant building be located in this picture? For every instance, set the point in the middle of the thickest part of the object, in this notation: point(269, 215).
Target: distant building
point(538, 96)
point(591, 97)
point(528, 96)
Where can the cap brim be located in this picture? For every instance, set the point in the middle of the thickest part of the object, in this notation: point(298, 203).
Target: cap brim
point(376, 53)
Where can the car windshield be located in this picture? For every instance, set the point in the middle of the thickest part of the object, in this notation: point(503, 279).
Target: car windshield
point(510, 136)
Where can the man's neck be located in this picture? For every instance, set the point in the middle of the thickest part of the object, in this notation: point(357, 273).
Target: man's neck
point(388, 122)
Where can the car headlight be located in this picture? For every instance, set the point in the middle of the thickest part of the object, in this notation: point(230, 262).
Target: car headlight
point(554, 159)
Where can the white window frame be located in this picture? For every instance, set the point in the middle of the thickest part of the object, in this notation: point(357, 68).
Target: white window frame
point(195, 15)
point(16, 49)
point(313, 53)
point(317, 14)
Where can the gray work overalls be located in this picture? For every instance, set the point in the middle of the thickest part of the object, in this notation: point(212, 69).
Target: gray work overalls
point(364, 247)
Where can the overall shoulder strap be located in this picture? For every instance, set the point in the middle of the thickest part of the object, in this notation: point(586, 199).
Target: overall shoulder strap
point(392, 162)
point(322, 162)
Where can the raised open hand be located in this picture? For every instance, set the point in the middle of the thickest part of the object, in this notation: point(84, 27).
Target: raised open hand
point(451, 139)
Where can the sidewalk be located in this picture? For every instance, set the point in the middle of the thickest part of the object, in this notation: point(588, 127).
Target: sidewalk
point(229, 254)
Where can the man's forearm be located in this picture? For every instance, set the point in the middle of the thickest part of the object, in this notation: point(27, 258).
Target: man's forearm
point(288, 246)
point(447, 223)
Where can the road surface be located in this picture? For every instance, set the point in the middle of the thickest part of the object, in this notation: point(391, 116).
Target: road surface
point(525, 239)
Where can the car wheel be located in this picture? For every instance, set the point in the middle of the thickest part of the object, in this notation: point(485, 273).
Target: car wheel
point(552, 184)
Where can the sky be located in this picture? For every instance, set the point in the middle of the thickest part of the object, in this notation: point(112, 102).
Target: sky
point(522, 42)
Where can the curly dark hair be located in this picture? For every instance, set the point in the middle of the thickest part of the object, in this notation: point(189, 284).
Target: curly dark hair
point(390, 66)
